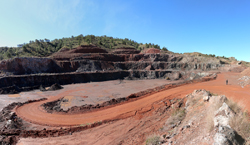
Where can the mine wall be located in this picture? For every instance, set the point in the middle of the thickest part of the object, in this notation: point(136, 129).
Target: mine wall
point(95, 65)
point(69, 78)
point(100, 62)
point(24, 74)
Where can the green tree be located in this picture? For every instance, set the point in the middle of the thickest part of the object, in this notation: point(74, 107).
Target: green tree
point(70, 45)
point(17, 54)
point(25, 49)
point(8, 55)
point(137, 45)
point(123, 42)
point(165, 48)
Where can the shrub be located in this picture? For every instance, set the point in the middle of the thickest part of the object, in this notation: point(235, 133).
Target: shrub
point(241, 121)
point(153, 140)
point(165, 49)
point(177, 115)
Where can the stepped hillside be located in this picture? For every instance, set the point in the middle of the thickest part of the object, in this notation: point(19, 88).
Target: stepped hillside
point(45, 47)
point(88, 59)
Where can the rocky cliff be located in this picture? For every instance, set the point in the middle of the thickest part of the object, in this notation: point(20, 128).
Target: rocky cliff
point(90, 63)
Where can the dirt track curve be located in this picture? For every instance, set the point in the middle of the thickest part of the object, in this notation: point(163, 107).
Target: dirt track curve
point(34, 113)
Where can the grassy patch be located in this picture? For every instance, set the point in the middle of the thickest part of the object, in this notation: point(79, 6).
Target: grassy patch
point(213, 94)
point(234, 106)
point(241, 124)
point(177, 115)
point(153, 140)
point(194, 101)
point(241, 121)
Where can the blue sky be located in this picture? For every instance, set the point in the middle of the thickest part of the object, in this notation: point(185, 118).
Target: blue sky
point(220, 27)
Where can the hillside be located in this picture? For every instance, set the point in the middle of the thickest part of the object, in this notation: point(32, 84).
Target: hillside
point(44, 48)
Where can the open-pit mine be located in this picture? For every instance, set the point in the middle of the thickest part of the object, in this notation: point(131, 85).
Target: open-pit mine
point(88, 95)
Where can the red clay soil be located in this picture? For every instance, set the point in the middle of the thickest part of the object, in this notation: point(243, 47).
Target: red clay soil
point(87, 49)
point(33, 112)
point(246, 72)
point(237, 69)
point(126, 50)
point(66, 53)
point(151, 50)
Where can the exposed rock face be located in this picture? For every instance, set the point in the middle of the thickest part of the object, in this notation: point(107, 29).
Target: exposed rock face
point(223, 115)
point(27, 65)
point(87, 49)
point(225, 135)
point(68, 78)
point(93, 65)
point(126, 50)
point(98, 65)
point(151, 50)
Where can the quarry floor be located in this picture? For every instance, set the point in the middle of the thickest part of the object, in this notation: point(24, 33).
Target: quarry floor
point(87, 93)
point(138, 119)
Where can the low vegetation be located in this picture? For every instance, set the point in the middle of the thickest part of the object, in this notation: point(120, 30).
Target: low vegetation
point(45, 47)
point(177, 115)
point(153, 140)
point(241, 121)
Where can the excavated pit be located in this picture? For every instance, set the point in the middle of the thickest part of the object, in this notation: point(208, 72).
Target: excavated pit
point(16, 129)
point(91, 64)
point(56, 106)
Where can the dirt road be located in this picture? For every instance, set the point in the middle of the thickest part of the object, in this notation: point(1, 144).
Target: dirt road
point(34, 113)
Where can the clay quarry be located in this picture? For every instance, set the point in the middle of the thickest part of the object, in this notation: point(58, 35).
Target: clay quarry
point(90, 96)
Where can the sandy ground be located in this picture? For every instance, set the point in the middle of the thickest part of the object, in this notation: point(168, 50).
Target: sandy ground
point(143, 115)
point(88, 93)
point(34, 113)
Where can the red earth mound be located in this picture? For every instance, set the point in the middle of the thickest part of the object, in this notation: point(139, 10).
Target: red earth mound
point(151, 50)
point(246, 72)
point(237, 69)
point(64, 49)
point(126, 50)
point(67, 54)
point(87, 49)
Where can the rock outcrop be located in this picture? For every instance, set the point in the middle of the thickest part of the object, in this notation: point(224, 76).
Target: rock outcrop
point(90, 63)
point(151, 50)
point(225, 134)
point(126, 50)
point(28, 65)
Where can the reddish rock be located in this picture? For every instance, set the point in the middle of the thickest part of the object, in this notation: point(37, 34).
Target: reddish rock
point(27, 65)
point(126, 50)
point(87, 49)
point(151, 50)
point(64, 49)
